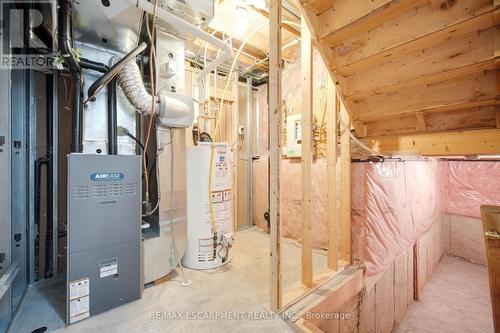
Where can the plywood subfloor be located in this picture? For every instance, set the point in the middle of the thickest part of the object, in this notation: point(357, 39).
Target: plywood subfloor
point(455, 299)
point(240, 286)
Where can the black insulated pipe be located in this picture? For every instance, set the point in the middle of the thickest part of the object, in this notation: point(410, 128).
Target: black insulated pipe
point(112, 119)
point(65, 15)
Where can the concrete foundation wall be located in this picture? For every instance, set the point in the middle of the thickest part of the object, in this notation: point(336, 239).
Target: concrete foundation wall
point(464, 237)
point(382, 303)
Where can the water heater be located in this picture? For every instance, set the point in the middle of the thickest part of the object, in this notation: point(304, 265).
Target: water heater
point(207, 248)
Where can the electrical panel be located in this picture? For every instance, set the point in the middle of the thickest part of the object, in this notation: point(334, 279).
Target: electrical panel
point(293, 136)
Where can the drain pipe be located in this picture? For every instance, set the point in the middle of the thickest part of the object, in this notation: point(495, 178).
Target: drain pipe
point(112, 119)
point(65, 40)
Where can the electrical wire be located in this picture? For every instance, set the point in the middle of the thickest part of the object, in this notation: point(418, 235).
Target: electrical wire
point(361, 144)
point(153, 93)
point(217, 121)
point(159, 151)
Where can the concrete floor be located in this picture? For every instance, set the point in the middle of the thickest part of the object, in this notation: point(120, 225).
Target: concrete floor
point(456, 299)
point(240, 286)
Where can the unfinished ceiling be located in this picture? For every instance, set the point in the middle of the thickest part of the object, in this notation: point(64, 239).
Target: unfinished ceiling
point(411, 66)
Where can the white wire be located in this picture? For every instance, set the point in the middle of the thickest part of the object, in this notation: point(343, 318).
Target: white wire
point(361, 144)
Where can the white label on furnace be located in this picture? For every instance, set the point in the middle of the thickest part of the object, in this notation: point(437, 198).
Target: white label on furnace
point(79, 304)
point(108, 268)
point(79, 288)
point(79, 309)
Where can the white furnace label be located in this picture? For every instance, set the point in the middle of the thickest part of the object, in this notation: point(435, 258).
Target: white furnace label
point(108, 267)
point(79, 294)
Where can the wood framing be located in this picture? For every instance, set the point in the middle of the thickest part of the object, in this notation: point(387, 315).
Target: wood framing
point(398, 63)
point(275, 152)
point(331, 156)
point(439, 144)
point(490, 216)
point(345, 189)
point(306, 155)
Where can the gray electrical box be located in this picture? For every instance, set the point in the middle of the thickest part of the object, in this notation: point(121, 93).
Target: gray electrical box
point(104, 235)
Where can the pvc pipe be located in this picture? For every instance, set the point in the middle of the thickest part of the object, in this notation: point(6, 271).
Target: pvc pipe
point(178, 23)
point(226, 55)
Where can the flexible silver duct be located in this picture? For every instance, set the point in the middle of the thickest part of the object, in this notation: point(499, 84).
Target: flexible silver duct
point(130, 80)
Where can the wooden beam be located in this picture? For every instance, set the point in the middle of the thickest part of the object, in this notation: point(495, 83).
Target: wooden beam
point(497, 119)
point(407, 27)
point(345, 167)
point(285, 26)
point(320, 6)
point(349, 18)
point(348, 64)
point(306, 154)
point(455, 73)
point(470, 91)
point(467, 54)
point(472, 118)
point(275, 99)
point(311, 19)
point(331, 170)
point(471, 142)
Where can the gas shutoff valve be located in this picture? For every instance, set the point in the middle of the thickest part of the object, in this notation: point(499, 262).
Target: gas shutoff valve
point(227, 239)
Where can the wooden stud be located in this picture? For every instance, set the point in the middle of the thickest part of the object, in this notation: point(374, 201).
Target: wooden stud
point(331, 156)
point(306, 154)
point(490, 216)
point(345, 167)
point(275, 152)
point(416, 286)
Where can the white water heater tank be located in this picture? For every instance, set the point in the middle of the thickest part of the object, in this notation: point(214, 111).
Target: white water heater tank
point(201, 253)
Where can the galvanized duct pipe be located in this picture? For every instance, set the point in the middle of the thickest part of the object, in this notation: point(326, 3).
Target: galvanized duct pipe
point(130, 80)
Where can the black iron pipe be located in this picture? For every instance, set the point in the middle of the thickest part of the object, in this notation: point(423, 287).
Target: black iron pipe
point(49, 169)
point(65, 40)
point(112, 119)
point(93, 65)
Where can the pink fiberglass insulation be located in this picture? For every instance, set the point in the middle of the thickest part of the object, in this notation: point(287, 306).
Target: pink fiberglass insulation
point(393, 203)
point(472, 184)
